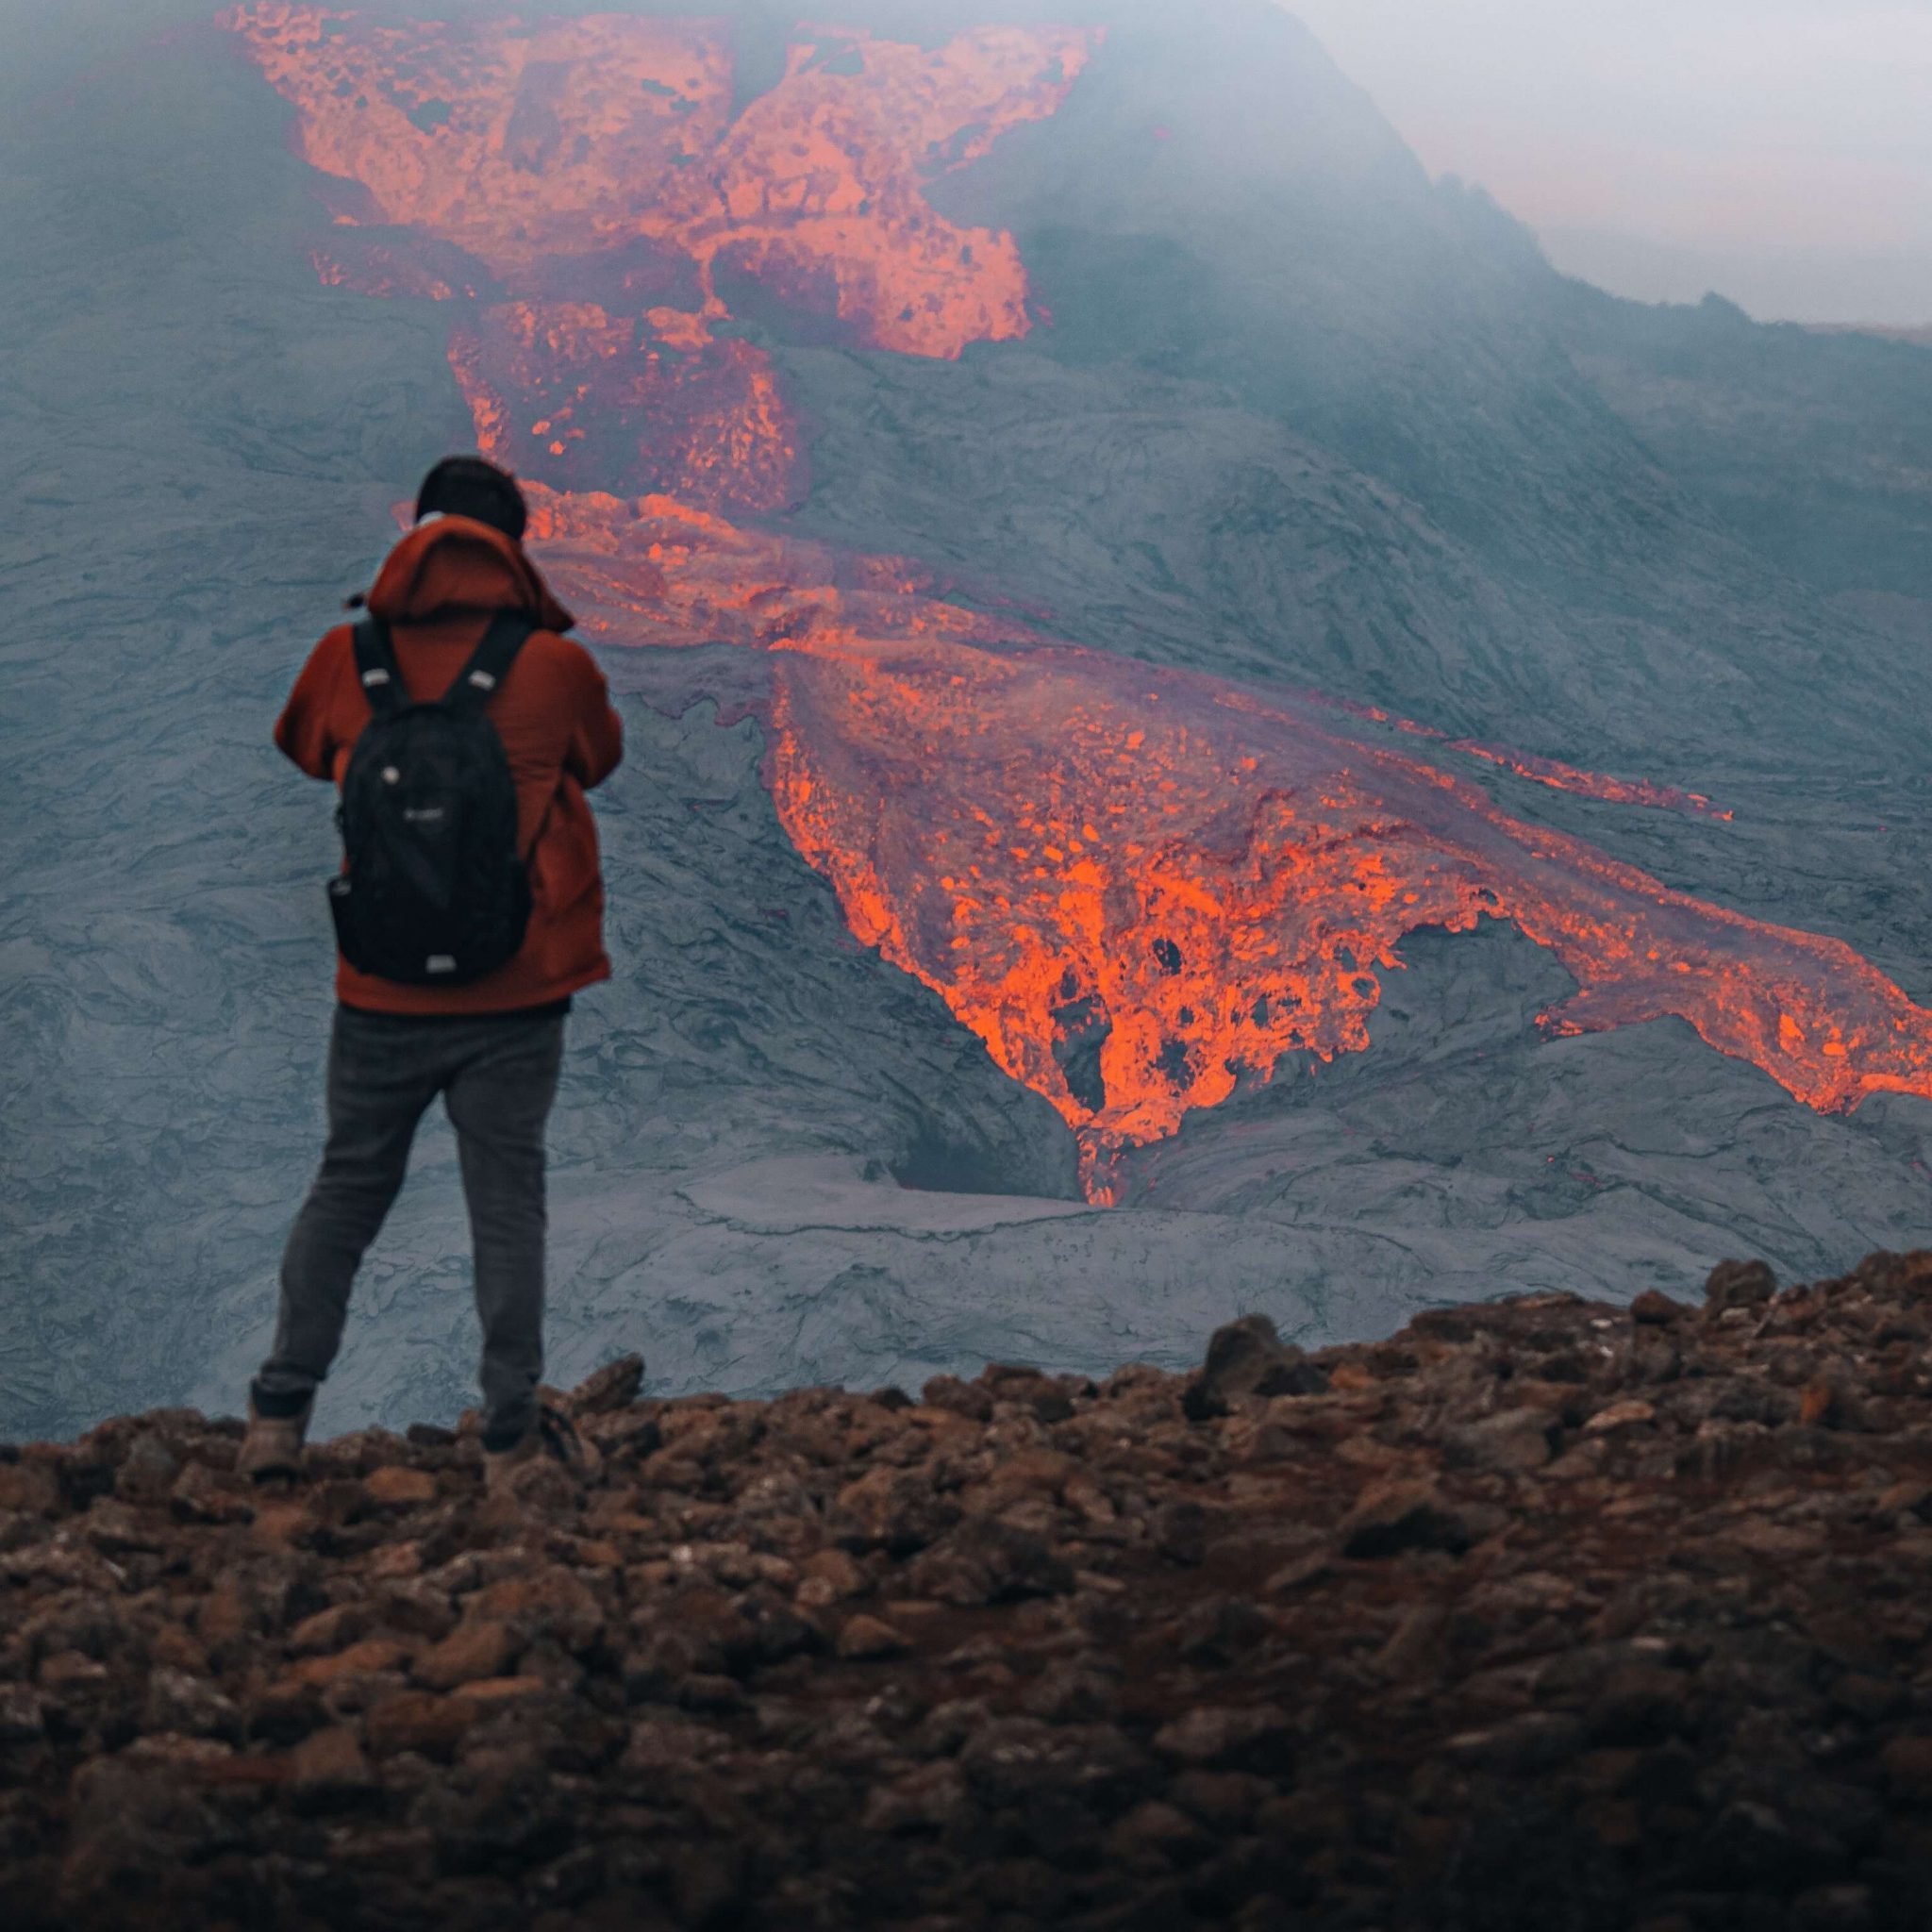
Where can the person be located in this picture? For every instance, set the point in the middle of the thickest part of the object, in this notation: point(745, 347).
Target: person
point(491, 1046)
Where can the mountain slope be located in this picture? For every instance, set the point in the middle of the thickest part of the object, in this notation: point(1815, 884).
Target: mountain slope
point(1298, 418)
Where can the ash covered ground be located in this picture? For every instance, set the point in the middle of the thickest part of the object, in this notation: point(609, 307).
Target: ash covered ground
point(1301, 418)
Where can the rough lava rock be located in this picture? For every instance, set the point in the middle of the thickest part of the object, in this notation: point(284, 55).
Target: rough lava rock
point(1248, 1358)
point(1543, 1612)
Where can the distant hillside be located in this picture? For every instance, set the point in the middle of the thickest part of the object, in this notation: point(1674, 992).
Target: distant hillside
point(1810, 446)
point(1920, 338)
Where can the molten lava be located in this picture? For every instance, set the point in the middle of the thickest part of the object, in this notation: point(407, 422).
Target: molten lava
point(1143, 887)
point(1550, 771)
point(1563, 778)
point(604, 394)
point(592, 173)
point(1140, 887)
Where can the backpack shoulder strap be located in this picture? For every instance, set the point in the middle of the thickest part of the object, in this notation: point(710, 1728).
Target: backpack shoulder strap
point(476, 682)
point(377, 670)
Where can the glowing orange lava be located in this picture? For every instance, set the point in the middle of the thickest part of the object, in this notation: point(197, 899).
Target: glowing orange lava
point(821, 182)
point(1190, 883)
point(1563, 778)
point(1550, 771)
point(658, 572)
point(592, 171)
point(1140, 887)
point(575, 394)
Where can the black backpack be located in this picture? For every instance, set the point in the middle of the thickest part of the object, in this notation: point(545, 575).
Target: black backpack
point(436, 892)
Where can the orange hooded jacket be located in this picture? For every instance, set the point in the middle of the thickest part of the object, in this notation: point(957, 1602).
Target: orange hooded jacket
point(437, 592)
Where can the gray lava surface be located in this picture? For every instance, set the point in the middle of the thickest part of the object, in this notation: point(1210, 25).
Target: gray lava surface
point(1302, 417)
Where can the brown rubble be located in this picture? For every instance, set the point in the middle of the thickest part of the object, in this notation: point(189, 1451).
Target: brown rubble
point(1543, 1613)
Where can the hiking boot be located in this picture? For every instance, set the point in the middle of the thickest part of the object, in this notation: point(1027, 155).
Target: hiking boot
point(272, 1447)
point(551, 1440)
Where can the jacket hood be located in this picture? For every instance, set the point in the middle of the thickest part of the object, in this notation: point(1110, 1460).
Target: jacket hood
point(452, 563)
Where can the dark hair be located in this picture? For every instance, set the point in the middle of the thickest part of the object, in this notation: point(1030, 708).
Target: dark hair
point(469, 487)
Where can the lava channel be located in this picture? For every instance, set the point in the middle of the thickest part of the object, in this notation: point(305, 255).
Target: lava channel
point(1143, 887)
point(587, 191)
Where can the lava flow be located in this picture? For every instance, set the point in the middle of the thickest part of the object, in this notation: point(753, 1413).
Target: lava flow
point(1551, 771)
point(587, 183)
point(1140, 887)
point(1561, 778)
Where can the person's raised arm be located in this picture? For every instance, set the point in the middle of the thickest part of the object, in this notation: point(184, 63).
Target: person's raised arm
point(302, 733)
point(596, 739)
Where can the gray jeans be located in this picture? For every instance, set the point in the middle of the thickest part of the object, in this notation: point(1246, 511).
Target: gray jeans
point(497, 1076)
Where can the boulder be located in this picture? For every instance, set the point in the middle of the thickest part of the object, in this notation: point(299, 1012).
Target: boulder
point(1249, 1358)
point(1396, 1518)
point(1739, 1285)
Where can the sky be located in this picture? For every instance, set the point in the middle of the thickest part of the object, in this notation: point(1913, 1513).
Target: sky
point(1777, 151)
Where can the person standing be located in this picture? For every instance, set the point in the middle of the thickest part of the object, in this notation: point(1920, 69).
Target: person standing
point(462, 729)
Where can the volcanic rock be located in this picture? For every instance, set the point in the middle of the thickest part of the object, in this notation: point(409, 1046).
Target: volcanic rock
point(1248, 1358)
point(419, 1721)
point(400, 1487)
point(1513, 1439)
point(867, 1637)
point(485, 1648)
point(1396, 1517)
point(1655, 1309)
point(1404, 1671)
point(1740, 1285)
point(613, 1387)
point(329, 1769)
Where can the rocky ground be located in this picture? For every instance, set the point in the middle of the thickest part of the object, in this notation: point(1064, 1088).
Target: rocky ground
point(1540, 1614)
